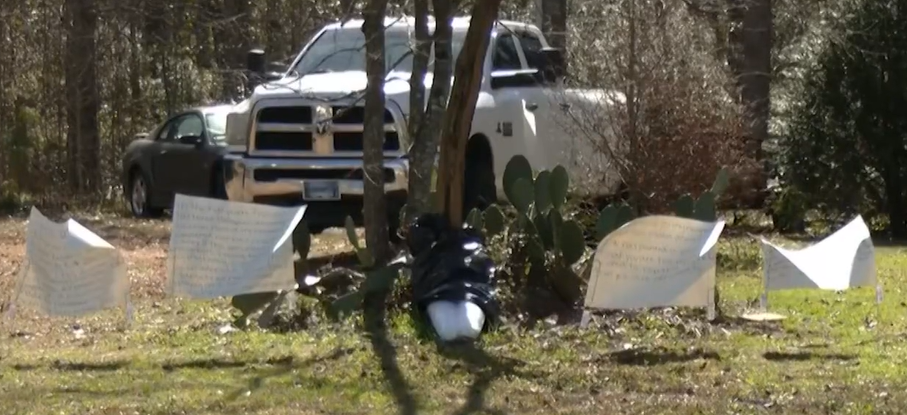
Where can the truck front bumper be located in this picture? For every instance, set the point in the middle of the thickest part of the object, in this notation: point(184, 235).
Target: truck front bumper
point(280, 181)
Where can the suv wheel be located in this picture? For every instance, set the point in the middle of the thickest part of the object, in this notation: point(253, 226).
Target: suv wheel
point(139, 198)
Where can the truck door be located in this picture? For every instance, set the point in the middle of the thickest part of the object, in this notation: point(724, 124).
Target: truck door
point(541, 100)
point(511, 136)
point(556, 122)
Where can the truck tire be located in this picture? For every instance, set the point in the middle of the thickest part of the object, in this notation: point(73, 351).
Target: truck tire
point(479, 187)
point(139, 196)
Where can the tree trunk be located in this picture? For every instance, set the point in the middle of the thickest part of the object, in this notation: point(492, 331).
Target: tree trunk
point(83, 141)
point(424, 129)
point(750, 59)
point(375, 203)
point(458, 118)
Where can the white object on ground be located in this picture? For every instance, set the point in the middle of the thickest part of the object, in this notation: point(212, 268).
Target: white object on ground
point(456, 320)
point(843, 260)
point(220, 248)
point(656, 261)
point(68, 270)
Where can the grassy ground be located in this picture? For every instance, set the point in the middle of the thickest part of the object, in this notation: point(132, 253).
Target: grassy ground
point(836, 353)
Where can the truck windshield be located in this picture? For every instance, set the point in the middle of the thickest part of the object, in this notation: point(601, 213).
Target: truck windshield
point(344, 50)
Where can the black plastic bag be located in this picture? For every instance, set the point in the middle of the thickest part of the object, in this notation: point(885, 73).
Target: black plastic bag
point(451, 266)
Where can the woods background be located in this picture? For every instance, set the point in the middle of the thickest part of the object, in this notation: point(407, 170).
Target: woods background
point(79, 78)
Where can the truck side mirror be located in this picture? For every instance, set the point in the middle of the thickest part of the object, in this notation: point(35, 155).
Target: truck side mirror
point(555, 66)
point(255, 61)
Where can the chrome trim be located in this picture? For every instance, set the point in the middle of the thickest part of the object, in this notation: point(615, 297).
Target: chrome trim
point(241, 185)
point(322, 144)
point(310, 128)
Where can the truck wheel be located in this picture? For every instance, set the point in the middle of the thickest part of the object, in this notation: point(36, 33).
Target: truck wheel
point(479, 188)
point(140, 197)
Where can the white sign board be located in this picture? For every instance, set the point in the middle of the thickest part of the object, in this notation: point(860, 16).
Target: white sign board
point(220, 248)
point(655, 261)
point(844, 259)
point(68, 270)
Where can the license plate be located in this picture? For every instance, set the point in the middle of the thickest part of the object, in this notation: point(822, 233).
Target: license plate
point(320, 190)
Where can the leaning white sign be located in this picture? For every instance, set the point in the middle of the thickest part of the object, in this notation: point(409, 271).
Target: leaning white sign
point(220, 248)
point(656, 261)
point(69, 270)
point(843, 260)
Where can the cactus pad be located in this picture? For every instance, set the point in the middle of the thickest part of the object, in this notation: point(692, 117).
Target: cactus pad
point(560, 184)
point(685, 206)
point(543, 191)
point(517, 168)
point(571, 242)
point(494, 220)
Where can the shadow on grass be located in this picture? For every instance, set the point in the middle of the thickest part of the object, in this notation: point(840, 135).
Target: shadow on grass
point(220, 364)
point(122, 364)
point(283, 366)
point(806, 356)
point(376, 327)
point(76, 366)
point(82, 392)
point(642, 357)
point(488, 369)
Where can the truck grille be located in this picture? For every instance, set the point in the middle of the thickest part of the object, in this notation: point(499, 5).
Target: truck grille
point(295, 129)
point(284, 141)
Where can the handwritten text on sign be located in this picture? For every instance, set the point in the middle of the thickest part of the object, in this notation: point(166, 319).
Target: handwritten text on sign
point(655, 261)
point(220, 248)
point(69, 271)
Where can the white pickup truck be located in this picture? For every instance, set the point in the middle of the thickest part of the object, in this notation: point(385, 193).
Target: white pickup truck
point(298, 139)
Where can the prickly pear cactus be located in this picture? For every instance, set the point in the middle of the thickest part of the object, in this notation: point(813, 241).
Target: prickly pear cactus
point(560, 184)
point(379, 279)
point(523, 195)
point(475, 219)
point(545, 236)
point(704, 207)
point(685, 206)
point(543, 191)
point(570, 242)
point(517, 168)
point(722, 180)
point(613, 217)
point(494, 220)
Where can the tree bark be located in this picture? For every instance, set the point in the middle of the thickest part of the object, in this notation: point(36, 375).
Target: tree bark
point(756, 78)
point(83, 141)
point(424, 129)
point(458, 118)
point(750, 59)
point(375, 203)
point(415, 203)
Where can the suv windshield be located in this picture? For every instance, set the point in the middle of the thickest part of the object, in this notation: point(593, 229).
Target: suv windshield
point(344, 50)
